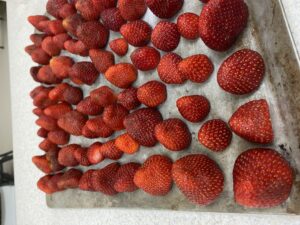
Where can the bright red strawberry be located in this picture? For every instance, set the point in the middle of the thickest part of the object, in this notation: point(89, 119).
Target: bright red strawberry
point(57, 110)
point(88, 107)
point(199, 178)
point(262, 178)
point(43, 182)
point(112, 19)
point(50, 47)
point(60, 40)
point(73, 95)
point(140, 125)
point(66, 155)
point(85, 72)
point(252, 122)
point(87, 9)
point(145, 58)
point(242, 72)
point(119, 46)
point(196, 68)
point(53, 7)
point(99, 127)
point(102, 59)
point(39, 56)
point(86, 132)
point(164, 9)
point(127, 144)
point(72, 122)
point(109, 150)
point(187, 24)
point(42, 163)
point(165, 36)
point(193, 108)
point(76, 47)
point(215, 135)
point(136, 33)
point(70, 179)
point(45, 75)
point(124, 178)
point(85, 182)
point(128, 98)
point(60, 66)
point(46, 122)
point(121, 75)
point(80, 155)
point(59, 137)
point(67, 10)
point(221, 22)
point(47, 145)
point(72, 22)
point(94, 154)
point(35, 21)
point(152, 93)
point(132, 9)
point(42, 132)
point(37, 39)
point(154, 176)
point(103, 96)
point(113, 116)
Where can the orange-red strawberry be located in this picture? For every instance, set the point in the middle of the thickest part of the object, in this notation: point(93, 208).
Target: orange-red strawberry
point(252, 122)
point(165, 36)
point(102, 59)
point(262, 178)
point(132, 9)
point(173, 134)
point(215, 135)
point(72, 122)
point(119, 46)
point(136, 33)
point(34, 72)
point(59, 137)
point(86, 132)
point(221, 22)
point(124, 177)
point(45, 75)
point(73, 95)
point(43, 182)
point(164, 9)
point(88, 107)
point(37, 39)
point(196, 68)
point(60, 39)
point(242, 72)
point(35, 21)
point(85, 182)
point(140, 125)
point(99, 127)
point(94, 154)
point(53, 7)
point(60, 66)
point(145, 58)
point(199, 178)
point(47, 145)
point(84, 72)
point(103, 96)
point(66, 155)
point(70, 179)
point(52, 27)
point(193, 108)
point(42, 132)
point(187, 24)
point(67, 10)
point(87, 9)
point(72, 22)
point(52, 157)
point(38, 111)
point(39, 56)
point(113, 116)
point(80, 155)
point(42, 163)
point(121, 75)
point(52, 183)
point(109, 150)
point(152, 93)
point(104, 4)
point(154, 176)
point(128, 98)
point(57, 110)
point(46, 122)
point(76, 47)
point(127, 144)
point(112, 19)
point(50, 47)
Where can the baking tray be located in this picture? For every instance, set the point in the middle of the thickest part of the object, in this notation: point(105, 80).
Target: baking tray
point(268, 33)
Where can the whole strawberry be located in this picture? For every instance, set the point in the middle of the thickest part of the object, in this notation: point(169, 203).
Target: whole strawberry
point(103, 96)
point(70, 179)
point(60, 66)
point(164, 9)
point(72, 122)
point(57, 110)
point(145, 58)
point(113, 116)
point(76, 47)
point(85, 181)
point(88, 107)
point(72, 22)
point(110, 151)
point(99, 127)
point(132, 9)
point(127, 144)
point(152, 93)
point(187, 24)
point(112, 19)
point(102, 59)
point(87, 9)
point(128, 98)
point(66, 156)
point(262, 178)
point(119, 46)
point(121, 75)
point(84, 72)
point(53, 7)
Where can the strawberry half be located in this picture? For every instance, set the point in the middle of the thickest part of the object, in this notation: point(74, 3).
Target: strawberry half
point(164, 9)
point(145, 58)
point(187, 24)
point(152, 93)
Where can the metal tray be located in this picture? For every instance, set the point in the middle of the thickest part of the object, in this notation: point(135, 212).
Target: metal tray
point(267, 32)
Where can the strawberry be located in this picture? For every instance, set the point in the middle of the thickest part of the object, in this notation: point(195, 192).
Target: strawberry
point(145, 58)
point(215, 135)
point(112, 19)
point(67, 10)
point(50, 47)
point(85, 181)
point(60, 40)
point(52, 27)
point(34, 72)
point(152, 93)
point(173, 134)
point(187, 24)
point(56, 94)
point(59, 137)
point(86, 132)
point(45, 75)
point(204, 1)
point(88, 107)
point(72, 122)
point(94, 154)
point(60, 66)
point(46, 122)
point(103, 96)
point(127, 144)
point(52, 157)
point(66, 155)
point(52, 183)
point(221, 22)
point(196, 68)
point(109, 150)
point(262, 178)
point(165, 36)
point(104, 4)
point(119, 46)
point(57, 110)
point(35, 21)
point(140, 125)
point(193, 108)
point(87, 9)
point(42, 132)
point(42, 100)
point(47, 145)
point(99, 127)
point(38, 111)
point(70, 179)
point(128, 98)
point(252, 122)
point(37, 39)
point(136, 33)
point(53, 7)
point(121, 75)
point(113, 116)
point(154, 176)
point(30, 48)
point(42, 163)
point(39, 90)
point(164, 9)
point(102, 59)
point(73, 95)
point(242, 72)
point(76, 47)
point(85, 72)
point(199, 178)
point(132, 9)
point(80, 155)
point(93, 34)
point(72, 22)
point(39, 56)
point(168, 71)
point(43, 182)
point(124, 178)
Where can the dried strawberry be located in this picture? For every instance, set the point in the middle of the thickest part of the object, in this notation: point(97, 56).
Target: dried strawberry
point(187, 24)
point(35, 21)
point(132, 9)
point(72, 22)
point(85, 182)
point(60, 66)
point(46, 122)
point(50, 47)
point(88, 107)
point(102, 59)
point(164, 9)
point(85, 72)
point(104, 4)
point(94, 154)
point(145, 58)
point(53, 7)
point(72, 122)
point(103, 96)
point(57, 110)
point(52, 27)
point(113, 116)
point(109, 150)
point(52, 157)
point(121, 75)
point(52, 183)
point(43, 182)
point(112, 19)
point(59, 137)
point(66, 155)
point(127, 144)
point(56, 94)
point(76, 47)
point(30, 49)
point(128, 98)
point(34, 73)
point(152, 93)
point(119, 46)
point(99, 127)
point(70, 179)
point(80, 155)
point(38, 111)
point(86, 132)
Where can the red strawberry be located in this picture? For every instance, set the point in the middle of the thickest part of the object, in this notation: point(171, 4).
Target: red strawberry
point(187, 24)
point(86, 132)
point(99, 127)
point(194, 108)
point(155, 176)
point(164, 9)
point(76, 47)
point(165, 36)
point(50, 47)
point(30, 48)
point(43, 182)
point(104, 4)
point(60, 40)
point(38, 111)
point(262, 178)
point(73, 95)
point(140, 125)
point(242, 72)
point(121, 75)
point(72, 122)
point(72, 22)
point(66, 155)
point(37, 39)
point(196, 68)
point(52, 183)
point(215, 135)
point(52, 27)
point(57, 110)
point(132, 9)
point(47, 145)
point(128, 98)
point(204, 1)
point(52, 157)
point(70, 179)
point(113, 116)
point(45, 75)
point(60, 66)
point(42, 132)
point(56, 94)
point(46, 122)
point(87, 9)
point(59, 137)
point(112, 19)
point(85, 72)
point(127, 144)
point(42, 163)
point(145, 58)
point(93, 34)
point(38, 90)
point(85, 182)
point(199, 178)
point(41, 98)
point(39, 56)
point(124, 178)
point(80, 155)
point(221, 22)
point(94, 154)
point(173, 134)
point(35, 21)
point(136, 33)
point(102, 59)
point(34, 72)
point(103, 96)
point(152, 93)
point(252, 122)
point(53, 7)
point(88, 107)
point(67, 10)
point(109, 150)
point(119, 46)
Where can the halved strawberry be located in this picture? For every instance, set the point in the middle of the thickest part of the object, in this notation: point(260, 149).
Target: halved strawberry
point(187, 24)
point(132, 9)
point(103, 96)
point(164, 9)
point(72, 122)
point(128, 98)
point(121, 75)
point(145, 58)
point(112, 19)
point(89, 107)
point(119, 46)
point(152, 93)
point(113, 116)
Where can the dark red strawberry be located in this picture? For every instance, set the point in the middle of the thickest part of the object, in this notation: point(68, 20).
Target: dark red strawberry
point(73, 95)
point(102, 59)
point(104, 4)
point(47, 122)
point(103, 96)
point(39, 56)
point(76, 47)
point(52, 157)
point(46, 75)
point(187, 24)
point(113, 116)
point(152, 93)
point(132, 9)
point(121, 75)
point(38, 111)
point(37, 39)
point(67, 10)
point(99, 127)
point(59, 137)
point(109, 150)
point(85, 72)
point(53, 7)
point(94, 154)
point(42, 132)
point(164, 9)
point(85, 182)
point(128, 98)
point(72, 122)
point(47, 145)
point(89, 107)
point(86, 132)
point(112, 19)
point(70, 179)
point(72, 22)
point(119, 46)
point(145, 58)
point(66, 155)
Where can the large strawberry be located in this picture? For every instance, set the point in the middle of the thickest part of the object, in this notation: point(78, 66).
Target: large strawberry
point(164, 9)
point(84, 72)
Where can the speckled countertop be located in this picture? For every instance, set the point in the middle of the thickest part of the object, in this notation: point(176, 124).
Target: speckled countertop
point(31, 205)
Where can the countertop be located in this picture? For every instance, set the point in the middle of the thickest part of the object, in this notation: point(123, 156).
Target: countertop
point(31, 205)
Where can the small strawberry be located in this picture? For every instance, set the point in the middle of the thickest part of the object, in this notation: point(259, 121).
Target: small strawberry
point(152, 93)
point(56, 94)
point(46, 122)
point(128, 98)
point(193, 108)
point(37, 39)
point(109, 150)
point(39, 56)
point(72, 22)
point(47, 145)
point(99, 127)
point(187, 24)
point(145, 58)
point(53, 27)
point(102, 59)
point(85, 72)
point(112, 19)
point(41, 99)
point(88, 107)
point(30, 49)
point(34, 73)
point(38, 90)
point(57, 110)
point(66, 155)
point(67, 10)
point(72, 122)
point(42, 132)
point(35, 21)
point(43, 182)
point(59, 137)
point(87, 9)
point(127, 144)
point(94, 154)
point(154, 176)
point(204, 1)
point(119, 46)
point(86, 132)
point(45, 75)
point(60, 66)
point(164, 9)
point(80, 155)
point(132, 9)
point(124, 178)
point(42, 163)
point(85, 182)
point(60, 40)
point(73, 95)
point(262, 178)
point(53, 7)
point(70, 179)
point(113, 116)
point(103, 96)
point(252, 122)
point(76, 47)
